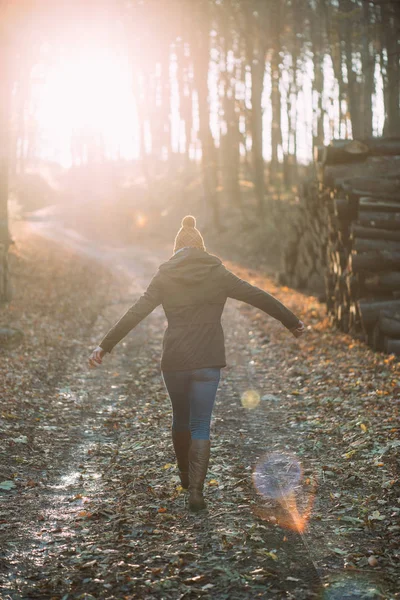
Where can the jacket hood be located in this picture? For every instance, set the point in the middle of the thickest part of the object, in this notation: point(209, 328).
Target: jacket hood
point(190, 266)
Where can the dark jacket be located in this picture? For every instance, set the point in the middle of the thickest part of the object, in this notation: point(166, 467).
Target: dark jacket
point(193, 286)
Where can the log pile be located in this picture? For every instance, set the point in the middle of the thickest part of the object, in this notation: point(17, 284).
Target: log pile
point(305, 236)
point(359, 181)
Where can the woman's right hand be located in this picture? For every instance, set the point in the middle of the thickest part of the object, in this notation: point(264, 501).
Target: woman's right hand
point(96, 358)
point(299, 330)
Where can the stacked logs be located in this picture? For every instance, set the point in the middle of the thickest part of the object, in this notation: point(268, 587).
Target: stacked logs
point(304, 252)
point(360, 183)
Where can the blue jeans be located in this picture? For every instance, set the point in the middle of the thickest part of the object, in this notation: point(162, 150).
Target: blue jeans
point(192, 395)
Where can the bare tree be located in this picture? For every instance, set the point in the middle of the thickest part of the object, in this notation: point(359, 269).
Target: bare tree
point(5, 112)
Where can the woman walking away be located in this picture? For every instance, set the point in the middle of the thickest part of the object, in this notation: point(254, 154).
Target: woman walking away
point(193, 286)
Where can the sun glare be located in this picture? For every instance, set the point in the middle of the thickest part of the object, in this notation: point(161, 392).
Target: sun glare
point(85, 105)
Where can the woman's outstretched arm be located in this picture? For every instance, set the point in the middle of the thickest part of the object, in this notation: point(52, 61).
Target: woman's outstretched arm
point(243, 290)
point(136, 313)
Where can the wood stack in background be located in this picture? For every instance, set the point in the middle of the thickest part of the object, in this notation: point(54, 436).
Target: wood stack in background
point(359, 182)
point(305, 231)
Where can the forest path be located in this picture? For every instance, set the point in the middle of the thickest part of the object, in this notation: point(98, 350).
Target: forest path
point(110, 521)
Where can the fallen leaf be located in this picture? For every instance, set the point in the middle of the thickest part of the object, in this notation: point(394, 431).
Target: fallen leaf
point(22, 439)
point(7, 485)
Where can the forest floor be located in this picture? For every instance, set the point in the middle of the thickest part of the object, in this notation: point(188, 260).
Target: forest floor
point(89, 497)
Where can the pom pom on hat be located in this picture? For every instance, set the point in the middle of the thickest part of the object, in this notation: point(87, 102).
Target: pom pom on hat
point(188, 221)
point(188, 236)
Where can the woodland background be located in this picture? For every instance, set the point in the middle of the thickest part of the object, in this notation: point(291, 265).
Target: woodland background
point(228, 100)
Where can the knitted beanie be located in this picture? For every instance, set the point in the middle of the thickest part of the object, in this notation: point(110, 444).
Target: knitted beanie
point(188, 236)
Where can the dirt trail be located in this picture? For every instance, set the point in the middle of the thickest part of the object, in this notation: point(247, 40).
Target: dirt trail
point(109, 520)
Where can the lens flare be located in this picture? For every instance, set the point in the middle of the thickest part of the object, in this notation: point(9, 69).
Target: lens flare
point(141, 220)
point(278, 477)
point(250, 399)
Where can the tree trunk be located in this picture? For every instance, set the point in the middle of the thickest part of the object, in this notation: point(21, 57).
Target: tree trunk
point(276, 130)
point(370, 233)
point(255, 56)
point(229, 130)
point(290, 160)
point(257, 85)
point(201, 60)
point(380, 220)
point(363, 245)
point(391, 24)
point(353, 101)
point(391, 346)
point(5, 101)
point(350, 151)
point(381, 146)
point(375, 205)
point(389, 324)
point(374, 261)
point(318, 85)
point(370, 310)
point(318, 138)
point(185, 98)
point(368, 68)
point(383, 282)
point(341, 152)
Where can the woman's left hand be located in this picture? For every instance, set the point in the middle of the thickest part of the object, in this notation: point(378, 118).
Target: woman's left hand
point(96, 358)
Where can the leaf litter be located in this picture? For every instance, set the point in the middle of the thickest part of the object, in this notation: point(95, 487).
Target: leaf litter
point(95, 489)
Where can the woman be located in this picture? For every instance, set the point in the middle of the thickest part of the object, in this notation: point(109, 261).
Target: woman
point(193, 286)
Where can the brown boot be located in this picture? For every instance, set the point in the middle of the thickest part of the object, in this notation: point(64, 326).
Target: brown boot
point(199, 456)
point(181, 441)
